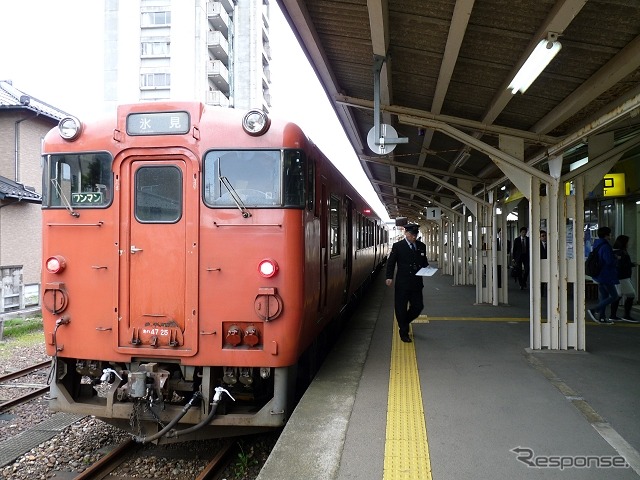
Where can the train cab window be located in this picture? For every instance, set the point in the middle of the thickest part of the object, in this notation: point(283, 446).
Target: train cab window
point(80, 180)
point(252, 176)
point(158, 194)
point(294, 178)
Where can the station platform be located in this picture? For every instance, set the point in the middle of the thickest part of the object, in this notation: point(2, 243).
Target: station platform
point(466, 400)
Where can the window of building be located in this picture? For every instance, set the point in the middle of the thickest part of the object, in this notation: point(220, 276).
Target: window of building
point(153, 19)
point(155, 49)
point(155, 80)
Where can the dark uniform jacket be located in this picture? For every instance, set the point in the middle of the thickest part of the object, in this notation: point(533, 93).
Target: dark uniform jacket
point(408, 262)
point(520, 251)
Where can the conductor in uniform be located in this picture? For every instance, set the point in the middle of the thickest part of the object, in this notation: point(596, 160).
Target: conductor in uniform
point(410, 255)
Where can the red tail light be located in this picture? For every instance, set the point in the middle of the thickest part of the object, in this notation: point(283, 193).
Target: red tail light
point(56, 264)
point(268, 268)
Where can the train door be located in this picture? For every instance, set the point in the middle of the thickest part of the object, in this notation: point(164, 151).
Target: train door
point(324, 247)
point(157, 203)
point(348, 250)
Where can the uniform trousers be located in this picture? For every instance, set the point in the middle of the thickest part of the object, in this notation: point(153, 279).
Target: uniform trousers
point(407, 298)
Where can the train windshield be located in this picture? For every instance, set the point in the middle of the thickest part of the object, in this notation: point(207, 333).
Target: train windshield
point(78, 180)
point(254, 177)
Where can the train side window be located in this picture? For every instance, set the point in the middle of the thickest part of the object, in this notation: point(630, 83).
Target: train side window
point(78, 180)
point(334, 222)
point(158, 197)
point(253, 175)
point(311, 185)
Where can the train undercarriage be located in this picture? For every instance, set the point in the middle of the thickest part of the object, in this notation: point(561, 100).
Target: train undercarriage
point(166, 402)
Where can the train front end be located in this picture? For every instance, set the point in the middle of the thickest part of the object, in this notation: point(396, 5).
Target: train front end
point(174, 292)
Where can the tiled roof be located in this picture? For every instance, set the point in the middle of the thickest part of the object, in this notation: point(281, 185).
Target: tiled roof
point(11, 97)
point(10, 190)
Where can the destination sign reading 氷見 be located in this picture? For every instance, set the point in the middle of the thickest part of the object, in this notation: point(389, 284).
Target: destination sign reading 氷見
point(158, 123)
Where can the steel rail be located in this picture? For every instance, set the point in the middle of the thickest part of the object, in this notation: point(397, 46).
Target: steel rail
point(23, 398)
point(24, 371)
point(107, 464)
point(217, 463)
point(27, 396)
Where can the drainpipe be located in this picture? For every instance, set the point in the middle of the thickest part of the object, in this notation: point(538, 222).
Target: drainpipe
point(24, 100)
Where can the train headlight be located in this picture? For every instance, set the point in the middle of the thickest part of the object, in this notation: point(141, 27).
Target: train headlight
point(56, 264)
point(268, 268)
point(256, 122)
point(69, 128)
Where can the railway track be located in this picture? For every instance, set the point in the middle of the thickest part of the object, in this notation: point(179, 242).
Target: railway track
point(128, 449)
point(34, 389)
point(127, 458)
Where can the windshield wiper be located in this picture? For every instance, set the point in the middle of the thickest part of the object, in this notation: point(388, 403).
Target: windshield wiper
point(235, 196)
point(65, 201)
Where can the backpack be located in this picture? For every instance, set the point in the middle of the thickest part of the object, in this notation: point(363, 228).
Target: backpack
point(593, 264)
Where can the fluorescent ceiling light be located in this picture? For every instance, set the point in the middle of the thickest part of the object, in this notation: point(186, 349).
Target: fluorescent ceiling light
point(536, 63)
point(577, 164)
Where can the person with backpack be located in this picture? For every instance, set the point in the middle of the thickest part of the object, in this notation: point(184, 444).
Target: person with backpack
point(625, 288)
point(607, 277)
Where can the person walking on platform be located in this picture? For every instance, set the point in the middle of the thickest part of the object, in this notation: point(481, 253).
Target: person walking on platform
point(410, 255)
point(607, 279)
point(543, 245)
point(520, 257)
point(625, 287)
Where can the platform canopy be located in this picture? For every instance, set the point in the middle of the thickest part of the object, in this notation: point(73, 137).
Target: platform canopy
point(439, 68)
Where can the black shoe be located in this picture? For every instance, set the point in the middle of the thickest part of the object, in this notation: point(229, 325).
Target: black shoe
point(600, 320)
point(405, 338)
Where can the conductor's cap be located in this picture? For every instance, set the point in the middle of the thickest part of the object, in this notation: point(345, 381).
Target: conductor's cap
point(412, 228)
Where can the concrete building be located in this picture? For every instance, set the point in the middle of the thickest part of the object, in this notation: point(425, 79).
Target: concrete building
point(24, 121)
point(216, 52)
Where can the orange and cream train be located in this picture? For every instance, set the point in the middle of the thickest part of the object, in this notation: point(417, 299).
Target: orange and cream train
point(195, 261)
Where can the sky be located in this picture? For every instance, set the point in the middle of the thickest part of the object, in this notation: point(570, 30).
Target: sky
point(47, 56)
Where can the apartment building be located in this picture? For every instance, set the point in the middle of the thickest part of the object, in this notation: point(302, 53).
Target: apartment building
point(216, 52)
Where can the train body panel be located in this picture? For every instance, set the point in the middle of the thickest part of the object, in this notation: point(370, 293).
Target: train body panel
point(186, 254)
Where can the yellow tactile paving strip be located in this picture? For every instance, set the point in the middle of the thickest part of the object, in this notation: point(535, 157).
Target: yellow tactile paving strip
point(406, 453)
point(425, 319)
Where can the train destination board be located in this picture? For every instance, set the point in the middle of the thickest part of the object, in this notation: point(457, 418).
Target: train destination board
point(158, 123)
